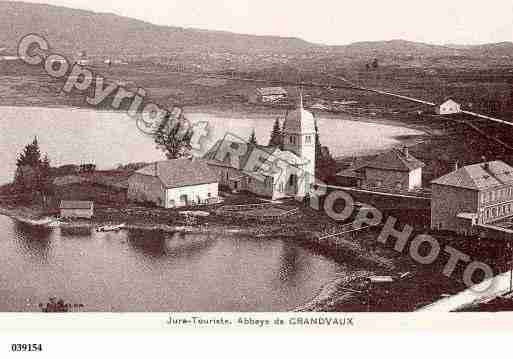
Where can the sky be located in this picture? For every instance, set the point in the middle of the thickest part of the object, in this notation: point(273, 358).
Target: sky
point(332, 22)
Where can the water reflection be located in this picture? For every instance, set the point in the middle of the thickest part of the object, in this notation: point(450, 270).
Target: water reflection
point(140, 270)
point(180, 244)
point(80, 232)
point(148, 242)
point(156, 244)
point(290, 263)
point(34, 241)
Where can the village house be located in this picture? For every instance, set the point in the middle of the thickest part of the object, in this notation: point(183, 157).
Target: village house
point(174, 183)
point(448, 107)
point(293, 172)
point(76, 209)
point(472, 195)
point(396, 169)
point(271, 94)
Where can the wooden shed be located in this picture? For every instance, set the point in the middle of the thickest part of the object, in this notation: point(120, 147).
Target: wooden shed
point(76, 209)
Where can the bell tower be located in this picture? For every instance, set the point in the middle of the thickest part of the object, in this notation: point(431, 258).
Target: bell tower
point(299, 138)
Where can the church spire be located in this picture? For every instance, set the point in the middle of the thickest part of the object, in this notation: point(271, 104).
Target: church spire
point(300, 98)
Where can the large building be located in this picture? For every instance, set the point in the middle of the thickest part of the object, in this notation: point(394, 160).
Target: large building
point(293, 172)
point(472, 195)
point(396, 169)
point(174, 183)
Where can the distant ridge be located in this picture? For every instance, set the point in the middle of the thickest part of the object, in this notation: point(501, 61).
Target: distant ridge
point(71, 30)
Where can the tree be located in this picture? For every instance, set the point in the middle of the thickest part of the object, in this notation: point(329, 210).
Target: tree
point(44, 181)
point(33, 174)
point(276, 139)
point(252, 138)
point(325, 165)
point(318, 146)
point(173, 137)
point(31, 155)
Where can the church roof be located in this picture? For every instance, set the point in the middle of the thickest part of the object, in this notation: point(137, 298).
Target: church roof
point(299, 121)
point(274, 153)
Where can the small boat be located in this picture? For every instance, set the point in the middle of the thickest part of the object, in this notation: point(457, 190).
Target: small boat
point(111, 228)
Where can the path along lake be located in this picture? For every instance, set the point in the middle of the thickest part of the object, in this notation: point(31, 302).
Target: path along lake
point(149, 271)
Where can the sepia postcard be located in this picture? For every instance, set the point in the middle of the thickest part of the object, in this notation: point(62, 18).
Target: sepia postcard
point(251, 164)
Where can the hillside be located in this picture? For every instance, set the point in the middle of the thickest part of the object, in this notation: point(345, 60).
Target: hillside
point(396, 48)
point(71, 30)
point(101, 34)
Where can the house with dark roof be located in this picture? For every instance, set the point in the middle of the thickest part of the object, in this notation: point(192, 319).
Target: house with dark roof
point(174, 183)
point(396, 169)
point(477, 194)
point(271, 94)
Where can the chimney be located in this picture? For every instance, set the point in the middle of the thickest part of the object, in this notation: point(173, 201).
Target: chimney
point(485, 163)
point(456, 165)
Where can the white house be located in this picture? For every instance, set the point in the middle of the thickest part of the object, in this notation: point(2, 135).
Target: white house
point(76, 209)
point(448, 107)
point(174, 183)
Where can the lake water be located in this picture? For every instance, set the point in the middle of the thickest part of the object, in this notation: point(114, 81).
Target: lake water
point(152, 271)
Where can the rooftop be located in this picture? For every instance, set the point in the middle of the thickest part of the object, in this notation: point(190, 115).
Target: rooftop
point(299, 121)
point(76, 205)
point(274, 153)
point(180, 172)
point(479, 176)
point(394, 160)
point(266, 91)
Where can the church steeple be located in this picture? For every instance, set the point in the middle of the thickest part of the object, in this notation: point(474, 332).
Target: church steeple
point(299, 134)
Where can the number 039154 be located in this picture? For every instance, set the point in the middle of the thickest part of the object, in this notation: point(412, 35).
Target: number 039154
point(26, 347)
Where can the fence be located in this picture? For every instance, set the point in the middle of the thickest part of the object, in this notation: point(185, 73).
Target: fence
point(240, 211)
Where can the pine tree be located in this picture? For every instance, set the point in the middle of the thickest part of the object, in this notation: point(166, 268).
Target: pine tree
point(33, 174)
point(252, 138)
point(276, 139)
point(174, 138)
point(44, 185)
point(325, 165)
point(31, 155)
point(318, 152)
